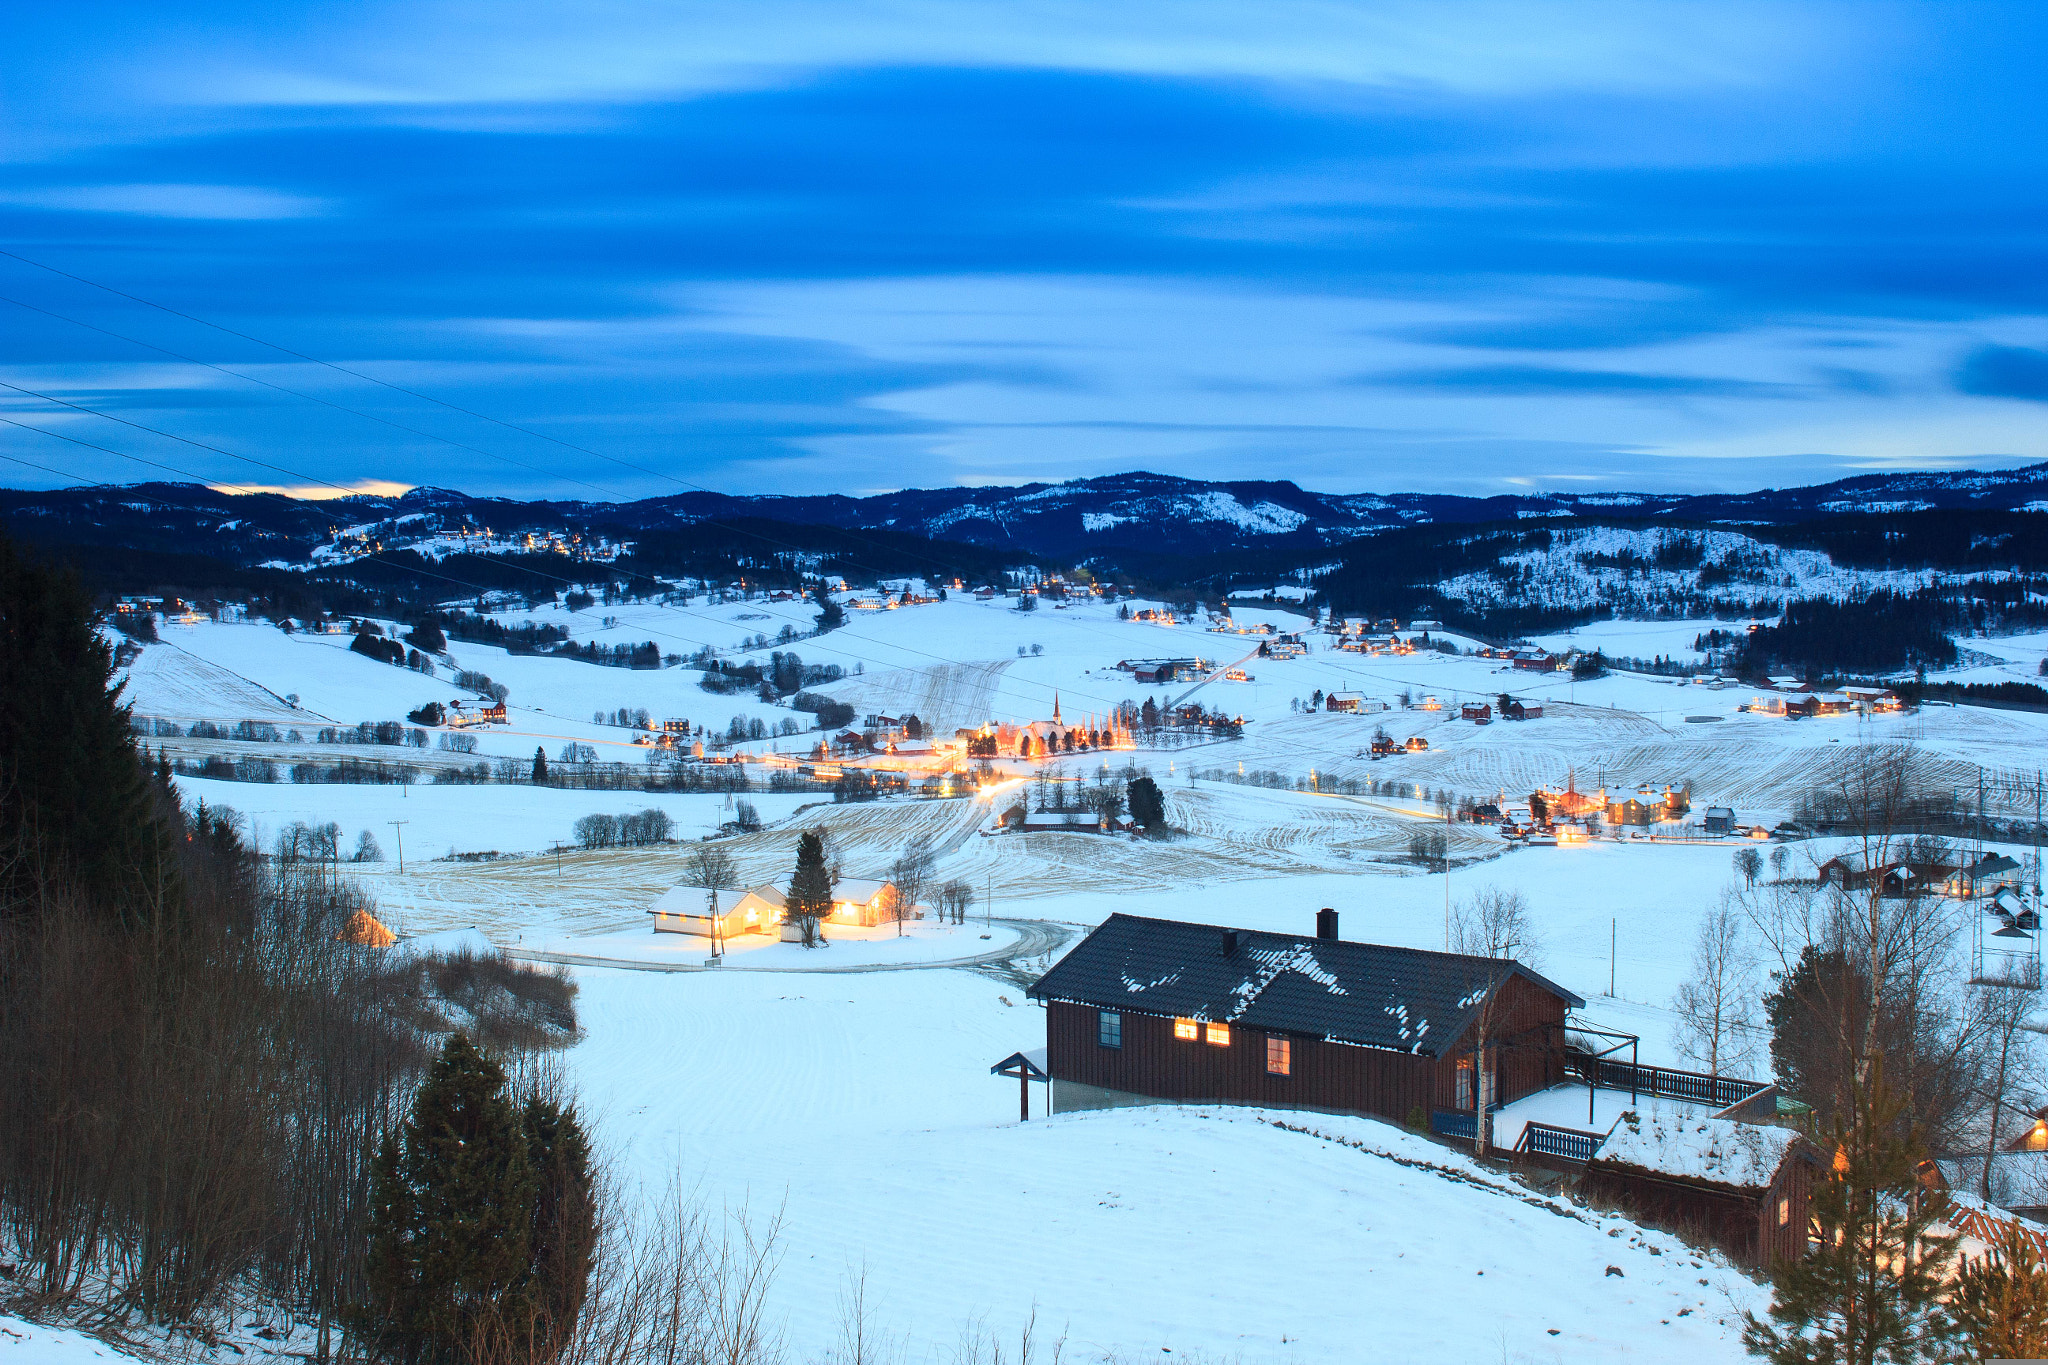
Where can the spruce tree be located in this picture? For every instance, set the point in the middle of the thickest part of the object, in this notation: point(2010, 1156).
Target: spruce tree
point(1870, 1292)
point(75, 801)
point(540, 766)
point(451, 1220)
point(2000, 1301)
point(1148, 803)
point(810, 886)
point(562, 1236)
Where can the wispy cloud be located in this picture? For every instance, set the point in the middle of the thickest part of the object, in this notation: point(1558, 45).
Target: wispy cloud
point(231, 202)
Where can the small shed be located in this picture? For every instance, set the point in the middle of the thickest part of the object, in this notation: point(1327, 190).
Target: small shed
point(1744, 1187)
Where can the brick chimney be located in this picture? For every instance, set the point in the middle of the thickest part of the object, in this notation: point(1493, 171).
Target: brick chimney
point(1326, 923)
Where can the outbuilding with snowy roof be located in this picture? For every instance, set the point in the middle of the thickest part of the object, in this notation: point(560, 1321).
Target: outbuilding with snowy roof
point(1148, 1011)
point(1744, 1187)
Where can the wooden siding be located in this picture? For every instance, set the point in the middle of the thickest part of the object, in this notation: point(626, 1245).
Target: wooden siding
point(1528, 1028)
point(1743, 1223)
point(1324, 1075)
point(1526, 1032)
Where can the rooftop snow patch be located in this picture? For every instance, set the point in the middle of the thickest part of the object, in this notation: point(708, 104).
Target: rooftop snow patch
point(1366, 994)
point(1673, 1142)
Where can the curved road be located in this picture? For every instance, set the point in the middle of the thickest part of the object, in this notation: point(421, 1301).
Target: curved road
point(1035, 938)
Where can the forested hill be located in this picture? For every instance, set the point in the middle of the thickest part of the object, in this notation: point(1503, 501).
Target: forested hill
point(1142, 513)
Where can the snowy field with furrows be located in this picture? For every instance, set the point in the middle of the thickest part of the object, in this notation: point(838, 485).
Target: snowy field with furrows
point(856, 1102)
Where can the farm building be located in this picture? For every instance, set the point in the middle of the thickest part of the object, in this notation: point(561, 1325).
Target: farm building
point(1983, 877)
point(1348, 702)
point(1631, 811)
point(688, 910)
point(1718, 820)
point(1479, 713)
point(1744, 1187)
point(1070, 821)
point(1521, 710)
point(859, 900)
point(1151, 1010)
point(1895, 878)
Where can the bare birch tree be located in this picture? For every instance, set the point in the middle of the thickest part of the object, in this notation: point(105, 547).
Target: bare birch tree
point(1493, 922)
point(1717, 1003)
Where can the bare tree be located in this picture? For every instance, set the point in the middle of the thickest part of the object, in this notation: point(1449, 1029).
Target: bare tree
point(1493, 922)
point(955, 899)
point(1867, 964)
point(1749, 865)
point(1717, 1002)
point(2012, 1061)
point(910, 875)
point(712, 868)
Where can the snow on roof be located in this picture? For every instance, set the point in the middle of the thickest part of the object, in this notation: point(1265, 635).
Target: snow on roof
point(858, 890)
point(684, 899)
point(1680, 1143)
point(1401, 999)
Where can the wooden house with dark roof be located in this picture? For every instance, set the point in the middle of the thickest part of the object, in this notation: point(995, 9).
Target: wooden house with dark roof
point(1150, 1010)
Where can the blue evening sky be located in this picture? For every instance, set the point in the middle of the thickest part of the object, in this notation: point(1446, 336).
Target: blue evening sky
point(788, 247)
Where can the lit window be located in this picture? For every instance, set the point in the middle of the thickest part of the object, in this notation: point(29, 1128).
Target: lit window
point(1465, 1083)
point(1109, 1029)
point(1279, 1057)
point(1784, 1210)
point(1219, 1034)
point(1187, 1028)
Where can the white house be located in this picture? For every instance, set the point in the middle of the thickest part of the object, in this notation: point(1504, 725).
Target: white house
point(687, 910)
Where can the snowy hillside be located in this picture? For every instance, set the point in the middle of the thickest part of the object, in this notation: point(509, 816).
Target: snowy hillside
point(1641, 572)
point(1219, 1233)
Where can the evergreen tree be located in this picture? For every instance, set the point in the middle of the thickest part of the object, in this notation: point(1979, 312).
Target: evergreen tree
point(562, 1237)
point(1148, 804)
point(76, 804)
point(1149, 714)
point(451, 1219)
point(540, 766)
point(2000, 1301)
point(1871, 1291)
point(810, 886)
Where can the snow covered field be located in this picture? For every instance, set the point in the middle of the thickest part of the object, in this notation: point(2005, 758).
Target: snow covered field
point(860, 1107)
point(858, 1102)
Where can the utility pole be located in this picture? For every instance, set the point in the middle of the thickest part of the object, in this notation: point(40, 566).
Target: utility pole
point(1613, 936)
point(400, 825)
point(1447, 879)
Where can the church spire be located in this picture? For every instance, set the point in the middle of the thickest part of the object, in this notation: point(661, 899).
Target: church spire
point(1055, 706)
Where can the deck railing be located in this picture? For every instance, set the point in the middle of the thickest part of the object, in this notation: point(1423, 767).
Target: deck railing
point(1454, 1123)
point(1565, 1144)
point(1662, 1081)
